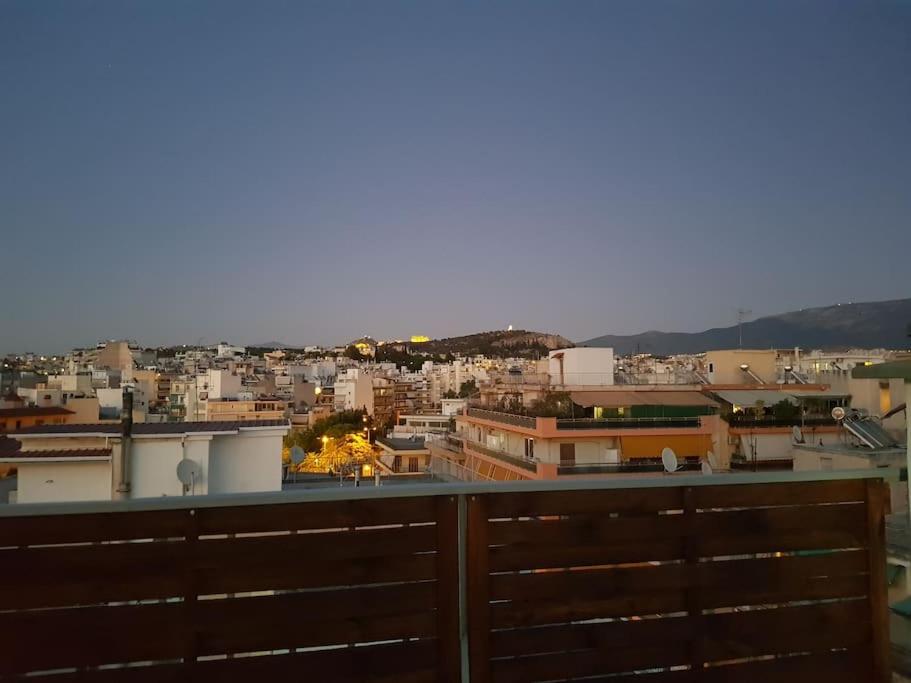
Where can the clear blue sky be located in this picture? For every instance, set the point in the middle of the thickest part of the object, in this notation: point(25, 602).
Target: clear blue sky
point(313, 171)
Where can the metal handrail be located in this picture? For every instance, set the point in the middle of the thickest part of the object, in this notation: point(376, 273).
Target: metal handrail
point(626, 422)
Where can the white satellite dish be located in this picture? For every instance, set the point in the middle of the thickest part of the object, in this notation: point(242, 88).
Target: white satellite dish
point(297, 455)
point(838, 413)
point(187, 472)
point(669, 460)
point(797, 434)
point(706, 467)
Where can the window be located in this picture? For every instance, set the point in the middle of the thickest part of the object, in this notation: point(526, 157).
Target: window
point(412, 464)
point(567, 454)
point(529, 449)
point(711, 367)
point(397, 463)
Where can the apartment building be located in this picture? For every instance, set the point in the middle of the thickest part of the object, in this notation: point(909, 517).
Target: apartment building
point(86, 462)
point(616, 433)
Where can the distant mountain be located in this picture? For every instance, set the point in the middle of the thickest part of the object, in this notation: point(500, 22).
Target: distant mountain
point(499, 343)
point(878, 324)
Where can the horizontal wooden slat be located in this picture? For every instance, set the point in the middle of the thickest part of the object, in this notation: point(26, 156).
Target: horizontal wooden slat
point(314, 618)
point(757, 574)
point(835, 667)
point(586, 529)
point(558, 666)
point(785, 493)
point(540, 503)
point(311, 572)
point(786, 591)
point(409, 662)
point(88, 574)
point(804, 628)
point(539, 612)
point(107, 526)
point(592, 584)
point(604, 635)
point(326, 546)
point(51, 639)
point(529, 556)
point(318, 515)
point(106, 635)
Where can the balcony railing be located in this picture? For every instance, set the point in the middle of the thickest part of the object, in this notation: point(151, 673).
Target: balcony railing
point(629, 423)
point(501, 455)
point(741, 420)
point(505, 418)
point(622, 468)
point(413, 583)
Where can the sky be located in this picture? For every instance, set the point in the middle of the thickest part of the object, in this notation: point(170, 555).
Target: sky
point(177, 171)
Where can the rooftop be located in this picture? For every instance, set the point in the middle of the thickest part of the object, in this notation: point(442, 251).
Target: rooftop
point(402, 444)
point(35, 411)
point(150, 428)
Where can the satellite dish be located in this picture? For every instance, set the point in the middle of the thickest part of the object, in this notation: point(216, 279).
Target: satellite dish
point(706, 467)
point(838, 413)
point(711, 459)
point(297, 455)
point(797, 434)
point(187, 472)
point(669, 460)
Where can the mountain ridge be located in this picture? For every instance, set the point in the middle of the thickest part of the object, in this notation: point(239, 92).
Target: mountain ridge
point(871, 324)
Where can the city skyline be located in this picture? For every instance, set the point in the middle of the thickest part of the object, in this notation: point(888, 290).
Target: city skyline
point(309, 174)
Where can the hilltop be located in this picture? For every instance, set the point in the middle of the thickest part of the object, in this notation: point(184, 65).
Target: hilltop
point(499, 343)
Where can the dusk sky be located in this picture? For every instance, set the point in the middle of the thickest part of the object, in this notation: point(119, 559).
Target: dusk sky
point(309, 172)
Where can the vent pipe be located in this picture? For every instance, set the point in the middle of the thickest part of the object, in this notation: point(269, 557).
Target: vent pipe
point(126, 430)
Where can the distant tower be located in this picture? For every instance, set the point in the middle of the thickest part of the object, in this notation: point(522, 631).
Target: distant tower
point(741, 314)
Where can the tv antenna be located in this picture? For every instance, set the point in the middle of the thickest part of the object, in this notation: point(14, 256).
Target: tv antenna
point(188, 472)
point(741, 314)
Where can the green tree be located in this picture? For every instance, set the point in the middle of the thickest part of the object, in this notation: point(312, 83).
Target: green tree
point(468, 388)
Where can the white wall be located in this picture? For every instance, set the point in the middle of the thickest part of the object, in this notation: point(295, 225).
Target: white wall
point(54, 482)
point(582, 366)
point(153, 466)
point(250, 461)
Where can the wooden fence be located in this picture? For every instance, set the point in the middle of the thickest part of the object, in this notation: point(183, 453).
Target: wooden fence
point(708, 583)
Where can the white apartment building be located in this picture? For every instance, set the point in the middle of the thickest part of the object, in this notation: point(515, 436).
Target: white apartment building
point(581, 366)
point(60, 463)
point(354, 390)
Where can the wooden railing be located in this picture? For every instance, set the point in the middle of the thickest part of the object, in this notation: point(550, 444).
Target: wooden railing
point(684, 579)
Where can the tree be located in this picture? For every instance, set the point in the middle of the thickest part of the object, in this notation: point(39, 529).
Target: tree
point(467, 389)
point(339, 454)
point(785, 410)
point(354, 353)
point(555, 404)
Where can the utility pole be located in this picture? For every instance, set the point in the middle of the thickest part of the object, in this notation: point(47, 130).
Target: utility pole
point(741, 314)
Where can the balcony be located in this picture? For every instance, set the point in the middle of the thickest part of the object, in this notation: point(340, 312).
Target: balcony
point(734, 578)
point(741, 420)
point(501, 455)
point(629, 423)
point(504, 418)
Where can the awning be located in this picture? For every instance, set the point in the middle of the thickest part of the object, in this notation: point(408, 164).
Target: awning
point(748, 399)
point(689, 445)
point(614, 399)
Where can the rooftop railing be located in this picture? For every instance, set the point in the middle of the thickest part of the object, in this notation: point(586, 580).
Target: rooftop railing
point(741, 420)
point(505, 418)
point(722, 578)
point(502, 455)
point(628, 423)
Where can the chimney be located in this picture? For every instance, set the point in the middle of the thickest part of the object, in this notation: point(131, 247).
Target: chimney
point(126, 430)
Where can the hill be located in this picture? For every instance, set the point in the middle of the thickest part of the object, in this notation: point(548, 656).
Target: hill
point(499, 343)
point(878, 324)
